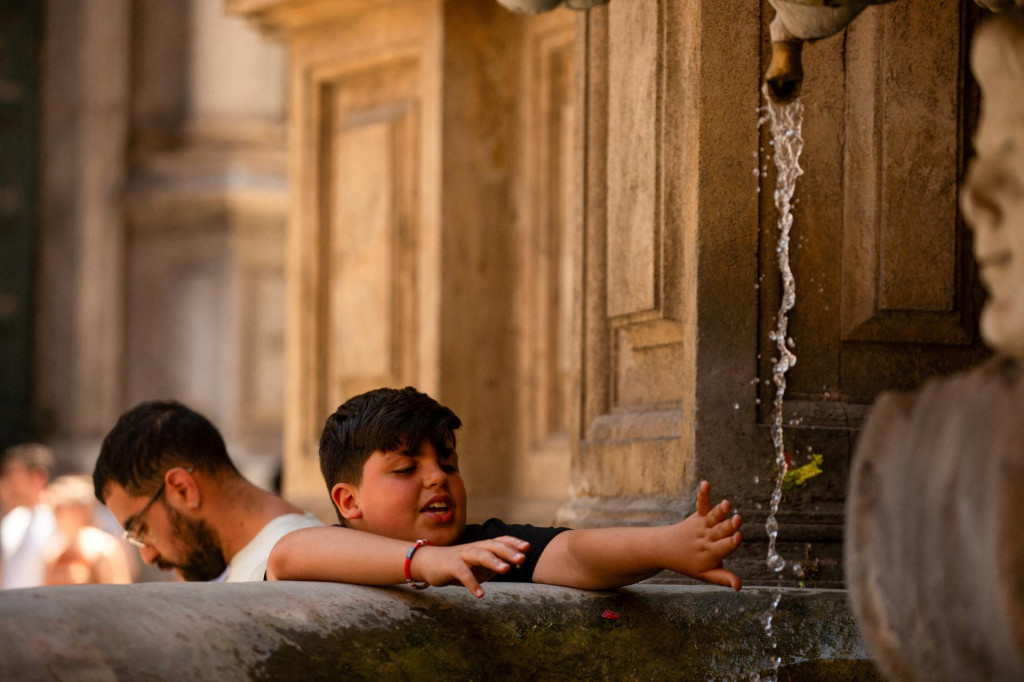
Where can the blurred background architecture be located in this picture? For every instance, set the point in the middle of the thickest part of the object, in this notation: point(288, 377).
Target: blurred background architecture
point(144, 166)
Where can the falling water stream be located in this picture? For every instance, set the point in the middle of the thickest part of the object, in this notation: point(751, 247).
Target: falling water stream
point(786, 123)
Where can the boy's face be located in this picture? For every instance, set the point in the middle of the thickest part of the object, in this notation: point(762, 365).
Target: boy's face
point(407, 496)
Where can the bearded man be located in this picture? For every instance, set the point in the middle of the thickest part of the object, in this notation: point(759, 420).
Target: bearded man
point(165, 474)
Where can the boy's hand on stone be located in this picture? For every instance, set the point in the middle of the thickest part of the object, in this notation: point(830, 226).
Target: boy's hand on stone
point(468, 565)
point(705, 538)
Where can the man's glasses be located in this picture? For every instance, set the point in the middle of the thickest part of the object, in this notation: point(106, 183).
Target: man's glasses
point(133, 533)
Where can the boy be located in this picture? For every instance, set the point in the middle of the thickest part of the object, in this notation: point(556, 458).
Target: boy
point(388, 458)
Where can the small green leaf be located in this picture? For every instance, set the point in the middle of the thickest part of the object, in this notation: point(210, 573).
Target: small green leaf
point(798, 476)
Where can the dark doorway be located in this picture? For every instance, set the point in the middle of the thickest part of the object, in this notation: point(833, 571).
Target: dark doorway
point(19, 68)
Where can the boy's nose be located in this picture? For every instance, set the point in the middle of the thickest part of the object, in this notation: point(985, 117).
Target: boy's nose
point(434, 475)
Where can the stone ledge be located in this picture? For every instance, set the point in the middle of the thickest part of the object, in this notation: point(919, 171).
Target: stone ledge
point(326, 631)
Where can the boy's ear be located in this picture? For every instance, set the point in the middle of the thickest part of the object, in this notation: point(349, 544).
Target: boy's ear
point(346, 499)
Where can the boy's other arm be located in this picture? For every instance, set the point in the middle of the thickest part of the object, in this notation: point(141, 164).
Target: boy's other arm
point(613, 557)
point(346, 555)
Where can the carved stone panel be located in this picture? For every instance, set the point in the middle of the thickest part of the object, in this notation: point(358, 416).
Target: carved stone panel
point(261, 294)
point(370, 230)
point(549, 260)
point(904, 273)
point(633, 351)
point(363, 239)
point(634, 231)
point(179, 353)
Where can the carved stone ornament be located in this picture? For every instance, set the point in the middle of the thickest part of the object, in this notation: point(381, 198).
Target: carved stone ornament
point(934, 549)
point(999, 5)
point(993, 196)
point(814, 19)
point(538, 6)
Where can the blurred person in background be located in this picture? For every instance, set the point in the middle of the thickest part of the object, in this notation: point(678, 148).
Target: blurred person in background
point(28, 526)
point(80, 553)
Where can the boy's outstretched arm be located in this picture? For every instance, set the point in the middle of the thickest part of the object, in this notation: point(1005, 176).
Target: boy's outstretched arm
point(613, 557)
point(346, 555)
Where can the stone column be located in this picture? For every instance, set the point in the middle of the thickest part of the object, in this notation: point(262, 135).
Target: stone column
point(79, 328)
point(669, 262)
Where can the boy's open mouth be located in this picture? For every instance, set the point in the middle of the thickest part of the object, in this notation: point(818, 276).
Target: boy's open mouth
point(440, 508)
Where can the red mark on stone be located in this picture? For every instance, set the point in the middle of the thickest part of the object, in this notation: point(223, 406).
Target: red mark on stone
point(610, 615)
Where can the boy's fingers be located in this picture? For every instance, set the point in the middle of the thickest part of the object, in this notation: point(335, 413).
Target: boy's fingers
point(718, 513)
point(720, 576)
point(727, 545)
point(507, 551)
point(490, 558)
point(726, 527)
point(704, 498)
point(521, 545)
point(465, 576)
point(721, 530)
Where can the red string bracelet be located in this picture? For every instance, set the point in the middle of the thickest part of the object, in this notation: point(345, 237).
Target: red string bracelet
point(408, 562)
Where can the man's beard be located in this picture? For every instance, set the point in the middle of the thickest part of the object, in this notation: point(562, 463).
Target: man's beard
point(204, 559)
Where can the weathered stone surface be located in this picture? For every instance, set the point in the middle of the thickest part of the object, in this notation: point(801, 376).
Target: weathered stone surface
point(933, 546)
point(321, 631)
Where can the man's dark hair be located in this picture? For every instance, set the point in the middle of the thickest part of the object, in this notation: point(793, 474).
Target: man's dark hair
point(153, 437)
point(384, 419)
point(35, 456)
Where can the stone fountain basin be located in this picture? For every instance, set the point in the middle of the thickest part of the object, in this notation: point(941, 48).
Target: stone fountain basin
point(171, 631)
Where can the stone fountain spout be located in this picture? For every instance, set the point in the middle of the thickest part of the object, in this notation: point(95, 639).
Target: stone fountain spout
point(799, 21)
point(538, 6)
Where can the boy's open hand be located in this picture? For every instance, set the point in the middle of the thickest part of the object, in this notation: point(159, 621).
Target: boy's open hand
point(704, 539)
point(470, 564)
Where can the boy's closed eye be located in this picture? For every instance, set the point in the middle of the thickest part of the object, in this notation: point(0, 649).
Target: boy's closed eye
point(411, 468)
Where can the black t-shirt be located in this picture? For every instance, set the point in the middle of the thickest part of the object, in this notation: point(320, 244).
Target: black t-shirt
point(537, 536)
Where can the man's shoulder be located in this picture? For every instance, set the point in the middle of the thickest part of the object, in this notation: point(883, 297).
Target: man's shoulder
point(286, 523)
point(251, 561)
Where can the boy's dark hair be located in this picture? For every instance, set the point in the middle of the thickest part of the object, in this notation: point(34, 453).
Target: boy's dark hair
point(384, 419)
point(153, 437)
point(35, 456)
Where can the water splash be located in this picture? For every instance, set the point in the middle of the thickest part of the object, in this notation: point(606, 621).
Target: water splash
point(786, 125)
